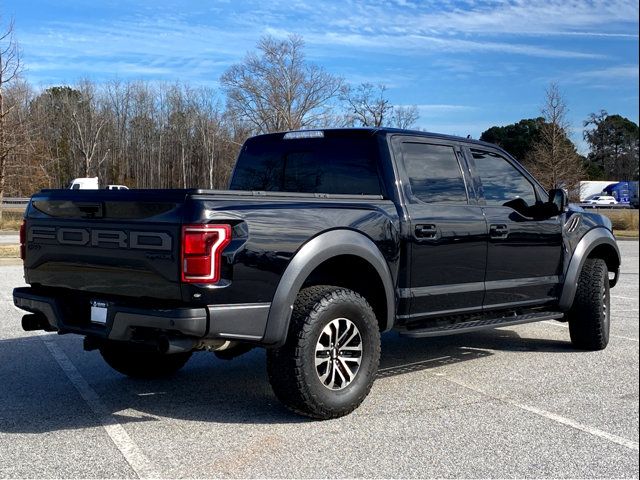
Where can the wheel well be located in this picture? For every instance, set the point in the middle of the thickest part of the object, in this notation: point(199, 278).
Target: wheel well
point(608, 254)
point(354, 273)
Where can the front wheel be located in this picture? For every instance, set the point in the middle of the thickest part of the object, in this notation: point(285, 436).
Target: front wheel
point(590, 314)
point(142, 364)
point(328, 364)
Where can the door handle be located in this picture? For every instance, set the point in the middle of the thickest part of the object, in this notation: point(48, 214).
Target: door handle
point(498, 231)
point(428, 231)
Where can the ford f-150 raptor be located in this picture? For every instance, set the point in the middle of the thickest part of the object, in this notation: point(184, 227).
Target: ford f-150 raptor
point(325, 239)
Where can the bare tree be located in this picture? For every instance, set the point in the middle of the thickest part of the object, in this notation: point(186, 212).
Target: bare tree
point(553, 159)
point(276, 89)
point(405, 116)
point(88, 124)
point(9, 69)
point(22, 166)
point(208, 127)
point(367, 106)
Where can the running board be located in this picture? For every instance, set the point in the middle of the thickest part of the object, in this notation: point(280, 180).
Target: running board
point(481, 324)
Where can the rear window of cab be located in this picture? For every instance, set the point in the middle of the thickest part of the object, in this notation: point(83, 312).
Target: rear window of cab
point(332, 162)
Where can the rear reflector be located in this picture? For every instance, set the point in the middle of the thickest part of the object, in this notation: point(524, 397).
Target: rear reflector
point(202, 247)
point(23, 239)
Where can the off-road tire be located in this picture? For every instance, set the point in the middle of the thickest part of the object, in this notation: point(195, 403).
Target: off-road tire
point(140, 363)
point(590, 314)
point(292, 370)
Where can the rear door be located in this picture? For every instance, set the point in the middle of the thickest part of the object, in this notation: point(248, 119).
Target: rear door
point(448, 232)
point(524, 253)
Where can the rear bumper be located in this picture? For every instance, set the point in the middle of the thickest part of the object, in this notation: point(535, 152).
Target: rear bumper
point(243, 322)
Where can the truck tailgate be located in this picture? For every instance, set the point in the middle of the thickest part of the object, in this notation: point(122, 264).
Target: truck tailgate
point(123, 242)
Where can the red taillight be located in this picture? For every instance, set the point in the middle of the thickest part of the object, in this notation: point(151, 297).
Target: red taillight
point(23, 239)
point(202, 247)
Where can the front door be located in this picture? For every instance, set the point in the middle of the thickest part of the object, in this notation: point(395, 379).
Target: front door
point(448, 233)
point(524, 252)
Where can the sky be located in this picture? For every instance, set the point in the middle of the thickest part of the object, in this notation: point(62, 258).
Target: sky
point(467, 65)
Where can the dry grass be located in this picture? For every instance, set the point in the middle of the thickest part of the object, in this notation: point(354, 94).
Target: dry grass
point(623, 220)
point(11, 220)
point(9, 251)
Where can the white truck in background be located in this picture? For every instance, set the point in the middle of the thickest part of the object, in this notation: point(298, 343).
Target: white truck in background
point(84, 183)
point(91, 183)
point(591, 188)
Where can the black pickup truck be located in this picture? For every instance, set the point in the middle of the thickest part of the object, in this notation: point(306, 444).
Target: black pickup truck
point(325, 239)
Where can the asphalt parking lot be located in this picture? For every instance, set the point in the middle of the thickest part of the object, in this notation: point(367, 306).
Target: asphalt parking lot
point(514, 402)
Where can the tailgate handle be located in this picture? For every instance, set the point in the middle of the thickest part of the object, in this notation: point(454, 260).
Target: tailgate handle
point(91, 210)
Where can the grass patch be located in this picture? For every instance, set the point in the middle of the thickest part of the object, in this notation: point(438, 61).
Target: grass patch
point(11, 219)
point(623, 220)
point(626, 234)
point(9, 251)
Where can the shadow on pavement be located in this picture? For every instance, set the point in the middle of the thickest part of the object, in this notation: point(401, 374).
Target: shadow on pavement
point(36, 396)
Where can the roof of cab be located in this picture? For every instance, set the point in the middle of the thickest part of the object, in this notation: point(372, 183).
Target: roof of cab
point(390, 131)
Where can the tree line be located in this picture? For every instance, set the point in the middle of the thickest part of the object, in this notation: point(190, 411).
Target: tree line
point(543, 145)
point(159, 135)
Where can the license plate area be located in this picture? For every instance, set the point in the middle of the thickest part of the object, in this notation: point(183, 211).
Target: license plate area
point(99, 311)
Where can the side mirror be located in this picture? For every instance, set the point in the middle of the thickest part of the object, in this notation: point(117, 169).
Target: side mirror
point(558, 197)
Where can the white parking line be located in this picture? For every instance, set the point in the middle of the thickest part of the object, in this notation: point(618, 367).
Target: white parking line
point(562, 325)
point(625, 442)
point(131, 452)
point(623, 298)
point(407, 365)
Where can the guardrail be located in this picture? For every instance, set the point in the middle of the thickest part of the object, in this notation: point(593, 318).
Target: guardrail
point(14, 202)
point(618, 206)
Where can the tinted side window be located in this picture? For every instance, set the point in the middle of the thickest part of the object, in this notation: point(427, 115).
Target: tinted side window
point(434, 173)
point(501, 181)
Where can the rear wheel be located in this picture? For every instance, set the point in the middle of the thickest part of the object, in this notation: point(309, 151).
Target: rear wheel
point(590, 315)
point(328, 364)
point(142, 364)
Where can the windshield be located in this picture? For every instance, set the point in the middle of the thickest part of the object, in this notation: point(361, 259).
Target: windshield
point(338, 162)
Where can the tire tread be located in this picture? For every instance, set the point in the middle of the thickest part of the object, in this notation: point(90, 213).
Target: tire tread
point(587, 327)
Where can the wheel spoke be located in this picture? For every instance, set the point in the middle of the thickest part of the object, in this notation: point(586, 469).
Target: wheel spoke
point(355, 334)
point(357, 348)
point(343, 379)
point(321, 361)
point(324, 376)
point(355, 360)
point(344, 334)
point(332, 382)
point(346, 369)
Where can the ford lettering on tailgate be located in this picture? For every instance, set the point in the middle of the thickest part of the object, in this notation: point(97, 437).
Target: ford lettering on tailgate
point(100, 238)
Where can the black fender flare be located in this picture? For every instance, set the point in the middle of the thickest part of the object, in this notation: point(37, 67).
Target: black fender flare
point(592, 239)
point(316, 251)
